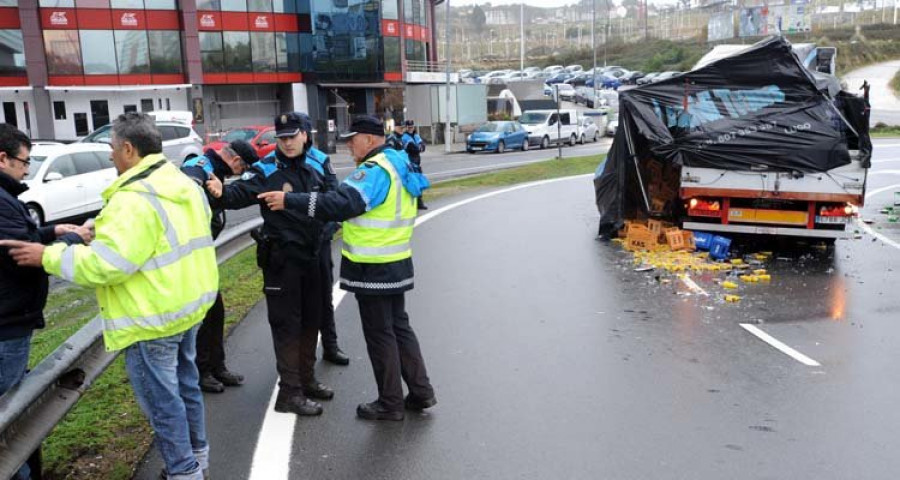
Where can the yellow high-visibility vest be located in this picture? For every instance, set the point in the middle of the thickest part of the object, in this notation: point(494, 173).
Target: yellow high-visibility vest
point(152, 262)
point(382, 235)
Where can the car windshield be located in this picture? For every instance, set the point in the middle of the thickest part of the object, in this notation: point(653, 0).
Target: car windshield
point(101, 135)
point(490, 127)
point(533, 118)
point(34, 166)
point(245, 134)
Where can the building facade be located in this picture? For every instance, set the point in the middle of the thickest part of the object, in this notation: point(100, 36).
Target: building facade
point(68, 66)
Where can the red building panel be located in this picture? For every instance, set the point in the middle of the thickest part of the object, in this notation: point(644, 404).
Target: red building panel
point(286, 23)
point(9, 18)
point(215, 78)
point(235, 21)
point(13, 81)
point(290, 78)
point(163, 20)
point(262, 22)
point(94, 19)
point(262, 77)
point(135, 79)
point(58, 19)
point(129, 20)
point(101, 79)
point(390, 28)
point(209, 21)
point(167, 79)
point(240, 78)
point(393, 77)
point(65, 80)
point(409, 31)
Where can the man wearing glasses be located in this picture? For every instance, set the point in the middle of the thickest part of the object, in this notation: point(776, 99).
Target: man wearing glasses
point(24, 288)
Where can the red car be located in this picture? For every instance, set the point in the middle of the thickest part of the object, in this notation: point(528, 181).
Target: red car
point(262, 137)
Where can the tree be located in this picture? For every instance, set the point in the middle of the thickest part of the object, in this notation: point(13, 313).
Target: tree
point(478, 19)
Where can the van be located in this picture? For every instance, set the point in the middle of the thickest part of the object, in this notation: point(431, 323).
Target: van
point(543, 129)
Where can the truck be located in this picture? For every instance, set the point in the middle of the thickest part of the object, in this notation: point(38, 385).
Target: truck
point(758, 140)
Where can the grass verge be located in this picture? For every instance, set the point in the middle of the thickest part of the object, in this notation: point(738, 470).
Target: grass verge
point(106, 434)
point(880, 130)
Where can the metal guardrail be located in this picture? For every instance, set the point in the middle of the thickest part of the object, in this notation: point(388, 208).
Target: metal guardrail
point(30, 410)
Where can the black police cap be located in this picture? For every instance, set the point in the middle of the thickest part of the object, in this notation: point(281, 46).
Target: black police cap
point(365, 124)
point(290, 124)
point(245, 151)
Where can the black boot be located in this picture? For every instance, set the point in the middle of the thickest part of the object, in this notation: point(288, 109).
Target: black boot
point(210, 384)
point(229, 379)
point(336, 356)
point(292, 400)
point(377, 411)
point(317, 390)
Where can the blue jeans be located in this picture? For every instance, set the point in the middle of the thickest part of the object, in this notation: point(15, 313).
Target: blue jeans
point(167, 387)
point(13, 362)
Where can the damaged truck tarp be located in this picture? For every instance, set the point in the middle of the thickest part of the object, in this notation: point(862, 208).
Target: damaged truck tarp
point(757, 109)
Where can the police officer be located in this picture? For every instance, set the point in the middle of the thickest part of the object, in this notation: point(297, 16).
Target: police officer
point(231, 159)
point(322, 165)
point(413, 145)
point(376, 204)
point(288, 247)
point(395, 139)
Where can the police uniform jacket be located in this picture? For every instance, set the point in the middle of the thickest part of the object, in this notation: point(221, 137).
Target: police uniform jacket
point(321, 163)
point(295, 235)
point(202, 168)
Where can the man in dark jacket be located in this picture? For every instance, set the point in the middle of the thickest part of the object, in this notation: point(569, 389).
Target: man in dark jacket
point(24, 289)
point(413, 145)
point(232, 159)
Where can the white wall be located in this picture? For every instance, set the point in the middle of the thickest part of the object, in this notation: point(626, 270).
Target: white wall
point(80, 102)
point(20, 97)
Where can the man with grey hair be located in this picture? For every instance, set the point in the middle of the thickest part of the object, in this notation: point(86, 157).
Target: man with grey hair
point(153, 265)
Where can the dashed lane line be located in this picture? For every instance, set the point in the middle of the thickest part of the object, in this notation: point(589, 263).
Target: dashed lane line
point(780, 345)
point(271, 459)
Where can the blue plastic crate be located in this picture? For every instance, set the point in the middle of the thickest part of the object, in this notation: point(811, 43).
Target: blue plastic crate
point(703, 240)
point(720, 247)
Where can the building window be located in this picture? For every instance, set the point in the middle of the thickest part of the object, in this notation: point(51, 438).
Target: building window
point(98, 51)
point(63, 52)
point(132, 52)
point(57, 3)
point(59, 110)
point(146, 104)
point(211, 52)
point(234, 5)
point(130, 108)
point(9, 3)
point(81, 125)
point(139, 4)
point(99, 113)
point(237, 52)
point(259, 5)
point(12, 52)
point(159, 4)
point(288, 51)
point(263, 51)
point(165, 51)
point(389, 10)
point(392, 54)
point(168, 104)
point(92, 3)
point(209, 5)
point(408, 11)
point(285, 6)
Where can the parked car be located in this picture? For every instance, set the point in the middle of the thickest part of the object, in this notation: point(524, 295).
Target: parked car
point(532, 69)
point(548, 90)
point(617, 72)
point(566, 91)
point(611, 127)
point(665, 76)
point(574, 68)
point(513, 77)
point(65, 181)
point(543, 129)
point(558, 78)
point(554, 69)
point(497, 137)
point(648, 78)
point(588, 130)
point(631, 78)
point(578, 79)
point(180, 141)
point(492, 75)
point(605, 81)
point(262, 137)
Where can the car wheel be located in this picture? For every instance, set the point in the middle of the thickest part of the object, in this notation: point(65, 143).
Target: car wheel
point(36, 214)
point(581, 140)
point(545, 142)
point(525, 145)
point(572, 140)
point(470, 151)
point(596, 137)
point(501, 147)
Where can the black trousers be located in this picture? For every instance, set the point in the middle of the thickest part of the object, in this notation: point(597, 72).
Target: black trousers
point(294, 299)
point(210, 339)
point(327, 327)
point(393, 349)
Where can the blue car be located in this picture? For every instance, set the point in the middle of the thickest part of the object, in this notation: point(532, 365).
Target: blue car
point(606, 81)
point(497, 137)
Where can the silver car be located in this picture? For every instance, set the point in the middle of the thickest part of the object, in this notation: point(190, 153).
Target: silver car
point(180, 142)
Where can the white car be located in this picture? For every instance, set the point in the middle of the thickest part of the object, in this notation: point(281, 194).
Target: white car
point(588, 129)
point(496, 74)
point(611, 127)
point(179, 141)
point(65, 181)
point(566, 92)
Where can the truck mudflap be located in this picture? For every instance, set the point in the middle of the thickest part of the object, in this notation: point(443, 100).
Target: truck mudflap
point(767, 230)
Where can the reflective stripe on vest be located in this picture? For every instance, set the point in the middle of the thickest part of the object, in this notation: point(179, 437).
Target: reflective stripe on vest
point(160, 320)
point(382, 235)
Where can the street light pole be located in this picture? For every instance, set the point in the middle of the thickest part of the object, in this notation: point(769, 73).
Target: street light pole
point(594, 48)
point(522, 37)
point(447, 95)
point(606, 37)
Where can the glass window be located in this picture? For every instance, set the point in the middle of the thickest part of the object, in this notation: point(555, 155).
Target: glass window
point(263, 48)
point(267, 138)
point(211, 52)
point(237, 52)
point(63, 52)
point(129, 108)
point(81, 124)
point(408, 11)
point(100, 135)
point(182, 132)
point(12, 52)
point(307, 52)
point(346, 41)
point(87, 162)
point(127, 3)
point(167, 132)
point(92, 3)
point(208, 5)
point(57, 3)
point(165, 51)
point(234, 5)
point(99, 52)
point(132, 51)
point(285, 6)
point(59, 110)
point(389, 10)
point(146, 104)
point(288, 52)
point(62, 165)
point(160, 4)
point(392, 54)
point(259, 5)
point(9, 3)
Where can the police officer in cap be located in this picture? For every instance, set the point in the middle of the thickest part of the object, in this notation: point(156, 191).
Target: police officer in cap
point(288, 251)
point(378, 208)
point(231, 159)
point(395, 139)
point(413, 145)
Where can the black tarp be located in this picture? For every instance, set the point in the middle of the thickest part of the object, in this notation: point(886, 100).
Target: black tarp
point(759, 108)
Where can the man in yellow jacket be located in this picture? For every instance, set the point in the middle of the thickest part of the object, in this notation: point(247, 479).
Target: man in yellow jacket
point(153, 264)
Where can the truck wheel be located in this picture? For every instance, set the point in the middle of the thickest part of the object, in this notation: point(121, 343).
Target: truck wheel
point(545, 142)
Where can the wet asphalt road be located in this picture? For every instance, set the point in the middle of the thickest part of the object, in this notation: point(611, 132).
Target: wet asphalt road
point(552, 358)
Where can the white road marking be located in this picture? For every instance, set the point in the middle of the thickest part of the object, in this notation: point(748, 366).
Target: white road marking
point(869, 229)
point(693, 285)
point(272, 456)
point(780, 345)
